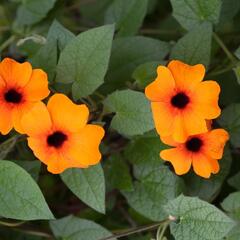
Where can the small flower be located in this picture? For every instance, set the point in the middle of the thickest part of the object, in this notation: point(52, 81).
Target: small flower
point(202, 151)
point(181, 102)
point(20, 88)
point(60, 136)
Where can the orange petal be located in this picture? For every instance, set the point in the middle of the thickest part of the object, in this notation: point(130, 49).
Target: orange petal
point(37, 88)
point(18, 113)
point(201, 165)
point(6, 123)
point(215, 142)
point(169, 140)
point(163, 118)
point(178, 158)
point(194, 123)
point(37, 121)
point(39, 147)
point(67, 115)
point(179, 129)
point(57, 164)
point(215, 165)
point(206, 99)
point(161, 88)
point(186, 76)
point(14, 73)
point(51, 157)
point(83, 147)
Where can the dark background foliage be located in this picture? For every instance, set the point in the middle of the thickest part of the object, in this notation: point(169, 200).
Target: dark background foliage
point(133, 187)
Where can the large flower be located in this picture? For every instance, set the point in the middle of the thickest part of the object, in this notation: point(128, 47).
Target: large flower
point(202, 151)
point(181, 102)
point(20, 88)
point(60, 136)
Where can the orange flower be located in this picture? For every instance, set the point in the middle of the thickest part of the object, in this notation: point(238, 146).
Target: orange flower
point(60, 136)
point(202, 151)
point(20, 88)
point(181, 102)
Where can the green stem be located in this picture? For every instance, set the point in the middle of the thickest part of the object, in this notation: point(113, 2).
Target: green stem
point(223, 70)
point(135, 230)
point(9, 224)
point(35, 233)
point(158, 232)
point(224, 48)
point(7, 43)
point(4, 28)
point(161, 235)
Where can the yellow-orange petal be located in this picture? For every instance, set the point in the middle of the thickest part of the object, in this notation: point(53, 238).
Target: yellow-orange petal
point(14, 73)
point(186, 76)
point(215, 142)
point(37, 121)
point(162, 87)
point(163, 118)
point(201, 165)
point(83, 147)
point(6, 119)
point(67, 115)
point(179, 159)
point(37, 87)
point(206, 99)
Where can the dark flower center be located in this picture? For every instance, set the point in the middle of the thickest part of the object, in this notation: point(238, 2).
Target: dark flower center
point(180, 100)
point(194, 144)
point(13, 96)
point(56, 139)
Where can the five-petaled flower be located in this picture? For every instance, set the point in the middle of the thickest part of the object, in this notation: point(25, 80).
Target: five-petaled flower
point(202, 151)
point(181, 103)
point(60, 136)
point(21, 87)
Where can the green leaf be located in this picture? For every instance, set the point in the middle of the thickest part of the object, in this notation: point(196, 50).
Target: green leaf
point(20, 196)
point(126, 56)
point(234, 181)
point(117, 173)
point(47, 56)
point(73, 228)
point(228, 10)
point(7, 146)
point(153, 191)
point(197, 219)
point(237, 52)
point(191, 13)
point(230, 120)
point(231, 204)
point(128, 15)
point(195, 46)
point(237, 73)
point(95, 10)
point(145, 73)
point(208, 189)
point(32, 167)
point(143, 153)
point(33, 11)
point(133, 113)
point(88, 185)
point(84, 60)
point(234, 234)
